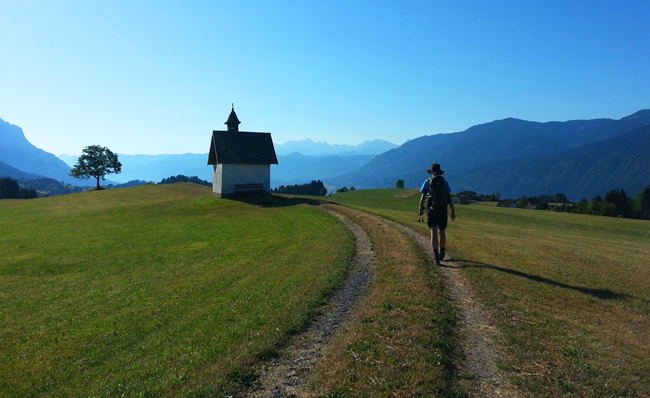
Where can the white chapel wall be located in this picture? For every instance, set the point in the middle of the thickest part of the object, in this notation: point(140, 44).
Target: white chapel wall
point(226, 176)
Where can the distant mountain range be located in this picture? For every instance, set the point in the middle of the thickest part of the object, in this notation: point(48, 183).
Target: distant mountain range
point(311, 148)
point(580, 158)
point(295, 166)
point(507, 156)
point(10, 171)
point(17, 152)
point(622, 162)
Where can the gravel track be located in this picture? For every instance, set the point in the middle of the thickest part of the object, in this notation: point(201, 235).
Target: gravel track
point(480, 376)
point(285, 376)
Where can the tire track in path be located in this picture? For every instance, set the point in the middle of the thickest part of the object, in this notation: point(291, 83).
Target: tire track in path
point(285, 376)
point(479, 374)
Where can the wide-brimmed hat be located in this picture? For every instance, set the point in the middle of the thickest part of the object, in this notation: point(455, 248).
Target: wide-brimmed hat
point(435, 169)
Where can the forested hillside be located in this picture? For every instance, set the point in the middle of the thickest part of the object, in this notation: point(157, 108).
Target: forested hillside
point(516, 157)
point(618, 163)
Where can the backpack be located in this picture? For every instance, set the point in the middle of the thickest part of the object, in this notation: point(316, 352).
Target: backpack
point(437, 196)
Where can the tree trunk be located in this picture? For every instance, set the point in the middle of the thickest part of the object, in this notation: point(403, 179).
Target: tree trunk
point(97, 182)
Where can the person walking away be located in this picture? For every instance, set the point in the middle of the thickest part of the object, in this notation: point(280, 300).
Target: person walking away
point(437, 195)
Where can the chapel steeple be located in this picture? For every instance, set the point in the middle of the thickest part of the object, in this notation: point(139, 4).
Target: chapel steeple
point(233, 121)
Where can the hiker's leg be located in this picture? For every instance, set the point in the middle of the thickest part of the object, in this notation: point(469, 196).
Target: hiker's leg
point(434, 238)
point(443, 243)
point(442, 226)
point(433, 225)
point(443, 239)
point(434, 244)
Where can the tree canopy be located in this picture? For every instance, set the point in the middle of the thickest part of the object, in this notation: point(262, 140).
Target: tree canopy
point(315, 188)
point(96, 161)
point(183, 178)
point(643, 203)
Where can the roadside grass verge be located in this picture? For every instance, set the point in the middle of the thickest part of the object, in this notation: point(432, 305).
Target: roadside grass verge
point(401, 339)
point(157, 290)
point(570, 292)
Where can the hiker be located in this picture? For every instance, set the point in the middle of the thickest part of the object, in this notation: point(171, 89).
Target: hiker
point(436, 192)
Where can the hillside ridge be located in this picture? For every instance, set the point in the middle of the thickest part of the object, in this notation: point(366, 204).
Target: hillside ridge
point(484, 147)
point(19, 153)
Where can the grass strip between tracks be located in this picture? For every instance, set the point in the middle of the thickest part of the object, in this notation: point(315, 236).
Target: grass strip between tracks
point(401, 339)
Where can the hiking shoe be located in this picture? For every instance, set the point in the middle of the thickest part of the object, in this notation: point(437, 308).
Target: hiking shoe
point(442, 254)
point(437, 257)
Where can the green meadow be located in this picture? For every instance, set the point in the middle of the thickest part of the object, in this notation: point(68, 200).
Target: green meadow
point(569, 292)
point(165, 290)
point(159, 290)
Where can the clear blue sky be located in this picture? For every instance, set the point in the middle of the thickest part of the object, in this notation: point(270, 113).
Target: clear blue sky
point(150, 77)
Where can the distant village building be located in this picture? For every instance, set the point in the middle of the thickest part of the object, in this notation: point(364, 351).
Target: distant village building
point(533, 203)
point(241, 160)
point(507, 203)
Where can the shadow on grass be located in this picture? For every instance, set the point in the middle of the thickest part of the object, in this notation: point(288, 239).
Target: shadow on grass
point(276, 200)
point(604, 294)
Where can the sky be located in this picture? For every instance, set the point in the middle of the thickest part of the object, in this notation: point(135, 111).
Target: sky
point(156, 77)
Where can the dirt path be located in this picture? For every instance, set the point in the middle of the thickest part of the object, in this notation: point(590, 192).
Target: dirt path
point(479, 374)
point(285, 377)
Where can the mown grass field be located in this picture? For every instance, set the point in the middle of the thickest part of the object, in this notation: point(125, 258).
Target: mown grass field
point(168, 291)
point(158, 290)
point(570, 293)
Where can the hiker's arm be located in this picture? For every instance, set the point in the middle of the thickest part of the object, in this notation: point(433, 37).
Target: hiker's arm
point(453, 211)
point(421, 204)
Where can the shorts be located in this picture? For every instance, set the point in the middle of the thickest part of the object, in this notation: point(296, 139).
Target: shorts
point(437, 219)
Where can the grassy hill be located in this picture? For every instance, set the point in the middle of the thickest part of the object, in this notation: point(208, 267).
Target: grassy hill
point(155, 290)
point(568, 292)
point(165, 290)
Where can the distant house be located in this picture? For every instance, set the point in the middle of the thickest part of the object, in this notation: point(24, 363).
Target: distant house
point(533, 203)
point(455, 200)
point(241, 160)
point(507, 203)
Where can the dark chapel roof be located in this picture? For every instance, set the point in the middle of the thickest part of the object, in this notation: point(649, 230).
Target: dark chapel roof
point(241, 147)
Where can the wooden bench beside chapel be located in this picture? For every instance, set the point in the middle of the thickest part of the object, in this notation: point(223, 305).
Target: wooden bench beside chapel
point(257, 187)
point(241, 160)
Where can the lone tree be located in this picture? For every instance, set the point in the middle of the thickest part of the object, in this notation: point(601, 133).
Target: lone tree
point(399, 184)
point(96, 161)
point(522, 203)
point(643, 198)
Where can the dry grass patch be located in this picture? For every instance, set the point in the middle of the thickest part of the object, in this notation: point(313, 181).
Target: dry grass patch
point(400, 340)
point(571, 295)
point(489, 204)
point(405, 194)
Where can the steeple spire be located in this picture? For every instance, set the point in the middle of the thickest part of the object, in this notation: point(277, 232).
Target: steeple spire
point(233, 121)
